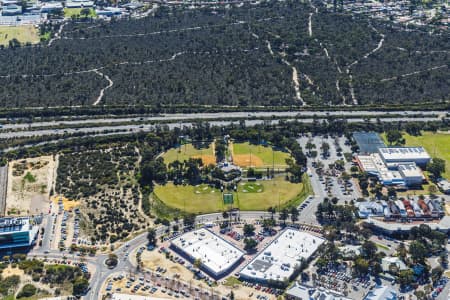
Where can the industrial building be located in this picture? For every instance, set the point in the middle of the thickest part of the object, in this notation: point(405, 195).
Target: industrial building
point(279, 260)
point(218, 256)
point(392, 165)
point(403, 174)
point(17, 232)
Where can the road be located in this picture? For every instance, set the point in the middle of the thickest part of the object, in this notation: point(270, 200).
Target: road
point(100, 273)
point(3, 187)
point(5, 134)
point(219, 116)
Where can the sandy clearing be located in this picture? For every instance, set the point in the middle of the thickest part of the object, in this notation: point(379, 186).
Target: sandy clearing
point(25, 197)
point(9, 271)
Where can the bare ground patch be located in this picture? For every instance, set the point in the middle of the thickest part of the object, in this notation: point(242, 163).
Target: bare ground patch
point(29, 185)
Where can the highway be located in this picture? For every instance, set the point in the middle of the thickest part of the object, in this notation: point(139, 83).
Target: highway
point(3, 187)
point(218, 116)
point(5, 134)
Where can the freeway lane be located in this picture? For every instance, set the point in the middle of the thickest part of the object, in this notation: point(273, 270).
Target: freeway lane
point(147, 128)
point(3, 187)
point(221, 116)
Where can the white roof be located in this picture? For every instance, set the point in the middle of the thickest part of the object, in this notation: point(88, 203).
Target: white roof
point(279, 259)
point(381, 293)
point(403, 153)
point(410, 170)
point(374, 164)
point(444, 184)
point(388, 260)
point(216, 254)
point(52, 5)
point(75, 3)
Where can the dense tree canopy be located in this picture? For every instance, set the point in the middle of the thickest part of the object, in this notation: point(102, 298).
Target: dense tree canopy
point(230, 56)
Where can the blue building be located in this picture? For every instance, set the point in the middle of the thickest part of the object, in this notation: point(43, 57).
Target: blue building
point(18, 232)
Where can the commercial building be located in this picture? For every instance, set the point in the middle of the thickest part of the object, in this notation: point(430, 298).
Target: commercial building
point(279, 260)
point(405, 174)
point(79, 4)
point(109, 11)
point(11, 10)
point(50, 7)
point(397, 155)
point(422, 209)
point(17, 232)
point(370, 209)
point(390, 228)
point(392, 171)
point(218, 256)
point(411, 174)
point(388, 262)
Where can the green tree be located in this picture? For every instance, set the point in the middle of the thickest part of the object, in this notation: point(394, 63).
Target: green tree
point(417, 251)
point(294, 214)
point(189, 220)
point(284, 214)
point(436, 273)
point(28, 290)
point(197, 263)
point(405, 277)
point(436, 167)
point(249, 229)
point(250, 244)
point(80, 286)
point(361, 266)
point(112, 260)
point(151, 236)
point(85, 12)
point(393, 136)
point(369, 249)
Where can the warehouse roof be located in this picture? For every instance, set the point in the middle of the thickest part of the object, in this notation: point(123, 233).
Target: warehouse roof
point(403, 153)
point(216, 254)
point(279, 259)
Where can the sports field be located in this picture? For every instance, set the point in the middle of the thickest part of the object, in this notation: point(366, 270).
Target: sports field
point(257, 156)
point(189, 151)
point(251, 196)
point(437, 145)
point(24, 34)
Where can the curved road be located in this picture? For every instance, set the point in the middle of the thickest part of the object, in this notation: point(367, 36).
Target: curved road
point(101, 273)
